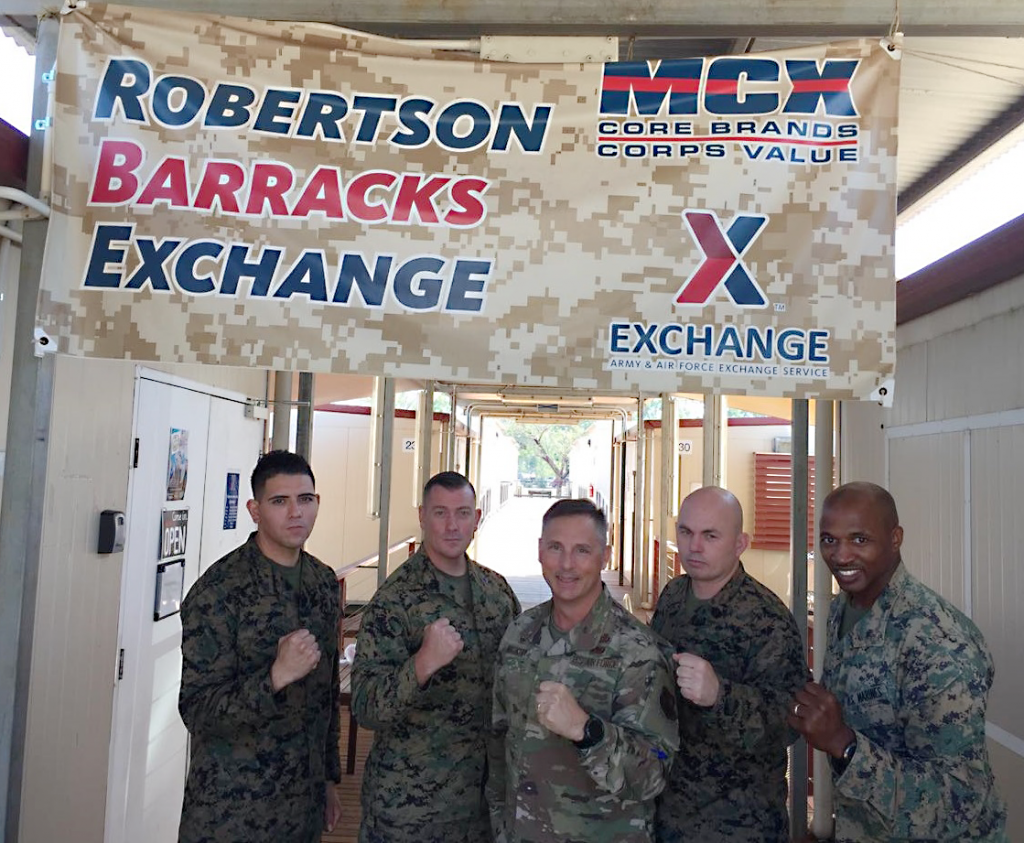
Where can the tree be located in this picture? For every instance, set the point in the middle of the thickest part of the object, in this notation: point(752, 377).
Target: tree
point(544, 449)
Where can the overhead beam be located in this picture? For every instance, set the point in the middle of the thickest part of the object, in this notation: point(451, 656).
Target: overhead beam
point(672, 18)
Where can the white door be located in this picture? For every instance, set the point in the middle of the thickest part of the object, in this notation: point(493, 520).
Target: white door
point(187, 442)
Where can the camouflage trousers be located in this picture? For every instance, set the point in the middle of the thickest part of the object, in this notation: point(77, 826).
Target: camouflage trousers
point(452, 831)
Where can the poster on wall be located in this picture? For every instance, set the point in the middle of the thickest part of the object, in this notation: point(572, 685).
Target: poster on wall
point(231, 500)
point(303, 197)
point(173, 533)
point(177, 464)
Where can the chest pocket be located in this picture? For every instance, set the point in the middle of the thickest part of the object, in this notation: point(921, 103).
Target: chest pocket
point(592, 682)
point(867, 694)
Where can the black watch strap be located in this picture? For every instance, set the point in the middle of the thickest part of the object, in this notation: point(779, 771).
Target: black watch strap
point(593, 733)
point(840, 764)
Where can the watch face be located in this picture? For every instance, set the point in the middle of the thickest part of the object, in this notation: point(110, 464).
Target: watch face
point(851, 748)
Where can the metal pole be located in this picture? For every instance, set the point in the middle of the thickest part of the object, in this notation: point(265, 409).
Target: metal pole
point(824, 416)
point(452, 430)
point(798, 542)
point(424, 433)
point(638, 584)
point(304, 416)
point(469, 439)
point(715, 419)
point(282, 436)
point(386, 454)
point(622, 509)
point(28, 439)
point(669, 437)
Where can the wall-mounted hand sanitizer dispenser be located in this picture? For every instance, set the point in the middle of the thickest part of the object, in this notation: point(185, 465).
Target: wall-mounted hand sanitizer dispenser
point(111, 531)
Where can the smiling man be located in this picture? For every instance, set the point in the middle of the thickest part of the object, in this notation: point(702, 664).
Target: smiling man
point(584, 711)
point(422, 680)
point(739, 659)
point(259, 678)
point(901, 705)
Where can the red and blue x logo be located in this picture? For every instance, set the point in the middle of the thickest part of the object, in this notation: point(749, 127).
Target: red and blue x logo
point(722, 263)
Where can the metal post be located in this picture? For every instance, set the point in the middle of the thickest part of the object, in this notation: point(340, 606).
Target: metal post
point(304, 416)
point(638, 583)
point(282, 436)
point(28, 439)
point(715, 422)
point(452, 431)
point(469, 440)
point(424, 434)
point(669, 437)
point(646, 574)
point(798, 543)
point(622, 509)
point(824, 417)
point(386, 455)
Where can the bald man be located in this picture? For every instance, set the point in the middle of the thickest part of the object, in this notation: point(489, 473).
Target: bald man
point(901, 705)
point(739, 660)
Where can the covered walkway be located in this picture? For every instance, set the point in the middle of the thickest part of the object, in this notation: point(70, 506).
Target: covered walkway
point(507, 543)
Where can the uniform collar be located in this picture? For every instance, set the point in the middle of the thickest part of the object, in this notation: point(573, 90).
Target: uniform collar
point(587, 634)
point(431, 576)
point(263, 567)
point(873, 624)
point(727, 591)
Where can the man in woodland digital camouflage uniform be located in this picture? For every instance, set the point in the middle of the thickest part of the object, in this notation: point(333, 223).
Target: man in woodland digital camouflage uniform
point(901, 705)
point(739, 659)
point(422, 679)
point(583, 698)
point(259, 678)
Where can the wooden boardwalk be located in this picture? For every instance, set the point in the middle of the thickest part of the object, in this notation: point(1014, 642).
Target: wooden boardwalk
point(347, 831)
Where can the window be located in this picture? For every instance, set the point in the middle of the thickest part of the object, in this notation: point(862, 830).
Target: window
point(772, 491)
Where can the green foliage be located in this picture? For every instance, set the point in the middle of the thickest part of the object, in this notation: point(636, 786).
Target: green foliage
point(544, 450)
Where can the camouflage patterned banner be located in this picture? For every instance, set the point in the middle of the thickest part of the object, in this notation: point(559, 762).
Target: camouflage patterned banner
point(308, 198)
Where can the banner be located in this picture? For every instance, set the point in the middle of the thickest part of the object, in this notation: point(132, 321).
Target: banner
point(300, 197)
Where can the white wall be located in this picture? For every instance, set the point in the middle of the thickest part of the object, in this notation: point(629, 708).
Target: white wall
point(498, 466)
point(951, 450)
point(590, 461)
point(74, 652)
point(344, 531)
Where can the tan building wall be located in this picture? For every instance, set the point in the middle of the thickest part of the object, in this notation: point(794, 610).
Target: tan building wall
point(951, 450)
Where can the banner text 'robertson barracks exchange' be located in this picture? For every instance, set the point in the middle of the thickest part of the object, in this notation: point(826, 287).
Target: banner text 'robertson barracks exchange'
point(304, 197)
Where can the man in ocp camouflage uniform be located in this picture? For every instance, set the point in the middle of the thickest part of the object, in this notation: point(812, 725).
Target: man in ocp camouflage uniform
point(583, 700)
point(901, 705)
point(259, 678)
point(422, 679)
point(739, 660)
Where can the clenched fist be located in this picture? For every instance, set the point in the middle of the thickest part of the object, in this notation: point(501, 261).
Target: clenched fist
point(441, 644)
point(558, 711)
point(696, 679)
point(297, 655)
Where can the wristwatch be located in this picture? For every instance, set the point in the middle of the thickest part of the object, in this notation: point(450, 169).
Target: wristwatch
point(593, 733)
point(840, 764)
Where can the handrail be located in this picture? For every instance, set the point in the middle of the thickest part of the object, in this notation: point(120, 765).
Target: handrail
point(36, 208)
point(372, 558)
point(33, 209)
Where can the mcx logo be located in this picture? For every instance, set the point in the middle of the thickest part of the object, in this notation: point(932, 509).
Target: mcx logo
point(723, 264)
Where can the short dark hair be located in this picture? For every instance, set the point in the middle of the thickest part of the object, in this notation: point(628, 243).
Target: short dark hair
point(273, 463)
point(578, 506)
point(450, 480)
point(880, 498)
